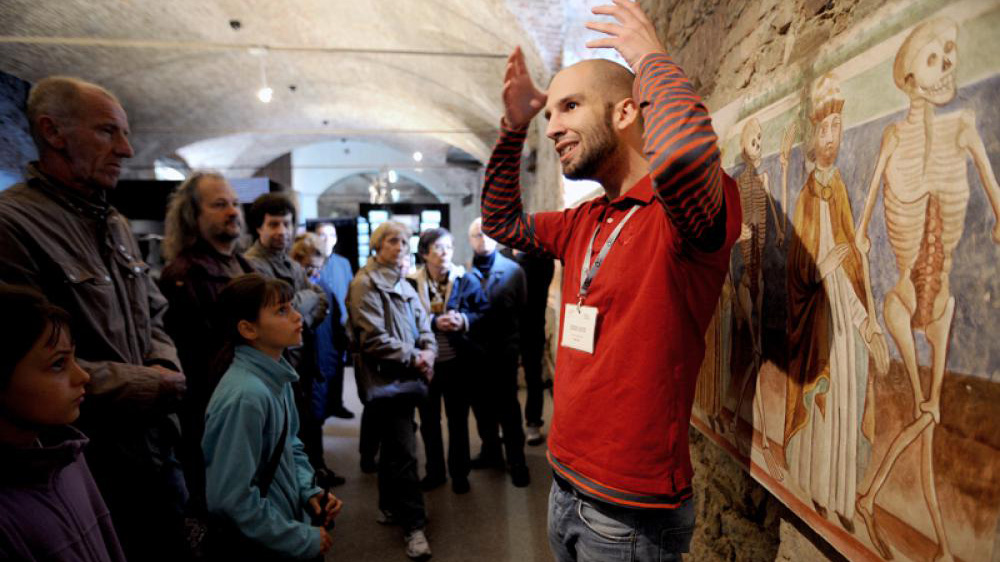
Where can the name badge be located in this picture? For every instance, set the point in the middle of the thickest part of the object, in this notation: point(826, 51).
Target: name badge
point(579, 327)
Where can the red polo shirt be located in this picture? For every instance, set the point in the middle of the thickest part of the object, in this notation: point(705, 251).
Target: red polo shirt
point(620, 427)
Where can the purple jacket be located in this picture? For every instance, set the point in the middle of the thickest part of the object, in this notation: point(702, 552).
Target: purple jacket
point(50, 508)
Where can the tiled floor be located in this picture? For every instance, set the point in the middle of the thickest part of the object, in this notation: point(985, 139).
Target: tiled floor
point(495, 522)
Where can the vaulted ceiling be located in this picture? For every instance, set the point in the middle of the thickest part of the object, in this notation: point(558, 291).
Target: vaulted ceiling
point(410, 73)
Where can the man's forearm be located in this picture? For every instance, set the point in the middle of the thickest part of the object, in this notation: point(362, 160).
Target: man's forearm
point(124, 390)
point(682, 150)
point(504, 219)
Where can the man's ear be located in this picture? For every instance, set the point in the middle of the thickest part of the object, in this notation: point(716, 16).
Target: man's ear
point(625, 113)
point(247, 330)
point(52, 131)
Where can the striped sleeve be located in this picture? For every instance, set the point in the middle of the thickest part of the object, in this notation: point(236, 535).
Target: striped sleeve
point(504, 218)
point(683, 153)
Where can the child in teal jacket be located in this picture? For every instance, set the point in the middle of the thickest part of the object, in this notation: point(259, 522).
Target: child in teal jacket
point(250, 410)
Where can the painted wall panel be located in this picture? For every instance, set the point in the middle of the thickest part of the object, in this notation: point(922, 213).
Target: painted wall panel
point(853, 359)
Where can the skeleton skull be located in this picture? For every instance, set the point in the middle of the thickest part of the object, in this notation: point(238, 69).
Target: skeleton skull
point(750, 140)
point(925, 64)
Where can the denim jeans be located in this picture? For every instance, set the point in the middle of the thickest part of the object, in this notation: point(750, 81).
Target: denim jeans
point(585, 530)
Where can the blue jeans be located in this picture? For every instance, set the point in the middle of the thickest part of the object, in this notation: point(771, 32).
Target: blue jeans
point(585, 530)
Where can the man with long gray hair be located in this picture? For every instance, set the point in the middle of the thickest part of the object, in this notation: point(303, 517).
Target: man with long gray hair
point(203, 225)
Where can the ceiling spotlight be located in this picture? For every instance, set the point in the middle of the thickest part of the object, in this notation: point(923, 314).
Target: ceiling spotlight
point(265, 93)
point(418, 156)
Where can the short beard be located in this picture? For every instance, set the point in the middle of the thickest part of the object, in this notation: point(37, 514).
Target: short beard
point(598, 152)
point(223, 236)
point(226, 237)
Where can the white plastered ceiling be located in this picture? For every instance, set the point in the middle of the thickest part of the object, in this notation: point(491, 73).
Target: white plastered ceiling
point(413, 74)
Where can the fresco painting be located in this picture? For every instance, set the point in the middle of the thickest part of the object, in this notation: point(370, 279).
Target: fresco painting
point(852, 364)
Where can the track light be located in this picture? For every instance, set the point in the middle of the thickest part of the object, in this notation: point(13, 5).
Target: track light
point(265, 93)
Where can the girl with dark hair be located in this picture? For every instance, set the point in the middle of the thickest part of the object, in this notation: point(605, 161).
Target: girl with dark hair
point(50, 507)
point(259, 480)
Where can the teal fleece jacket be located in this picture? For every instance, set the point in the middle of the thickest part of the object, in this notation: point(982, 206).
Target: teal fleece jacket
point(242, 425)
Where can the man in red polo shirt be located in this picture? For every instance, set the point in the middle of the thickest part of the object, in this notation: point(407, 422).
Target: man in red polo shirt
point(643, 269)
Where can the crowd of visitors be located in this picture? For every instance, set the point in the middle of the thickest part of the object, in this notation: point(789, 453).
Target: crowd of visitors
point(207, 389)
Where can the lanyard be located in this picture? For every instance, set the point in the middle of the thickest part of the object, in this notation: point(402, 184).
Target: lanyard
point(587, 273)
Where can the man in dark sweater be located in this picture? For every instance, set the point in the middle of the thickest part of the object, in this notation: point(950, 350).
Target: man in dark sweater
point(203, 225)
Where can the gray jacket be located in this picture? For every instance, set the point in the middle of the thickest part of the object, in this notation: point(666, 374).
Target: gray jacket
point(81, 254)
point(388, 327)
point(309, 300)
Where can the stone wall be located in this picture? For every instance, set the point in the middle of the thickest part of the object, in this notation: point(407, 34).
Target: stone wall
point(778, 67)
point(738, 518)
point(760, 39)
point(16, 148)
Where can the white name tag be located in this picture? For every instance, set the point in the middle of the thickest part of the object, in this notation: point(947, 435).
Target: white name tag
point(579, 326)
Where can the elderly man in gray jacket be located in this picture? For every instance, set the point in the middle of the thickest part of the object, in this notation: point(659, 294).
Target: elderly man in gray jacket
point(394, 352)
point(60, 235)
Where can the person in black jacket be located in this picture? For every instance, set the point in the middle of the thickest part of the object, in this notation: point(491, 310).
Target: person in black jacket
point(202, 227)
point(538, 270)
point(494, 339)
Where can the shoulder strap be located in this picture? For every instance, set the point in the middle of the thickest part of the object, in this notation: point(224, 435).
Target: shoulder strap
point(266, 476)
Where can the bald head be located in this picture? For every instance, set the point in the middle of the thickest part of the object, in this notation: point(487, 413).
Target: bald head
point(608, 80)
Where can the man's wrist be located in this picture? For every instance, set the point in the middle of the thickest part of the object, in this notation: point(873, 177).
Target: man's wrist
point(509, 127)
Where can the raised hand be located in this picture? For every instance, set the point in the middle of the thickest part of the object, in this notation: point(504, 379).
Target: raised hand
point(633, 37)
point(521, 99)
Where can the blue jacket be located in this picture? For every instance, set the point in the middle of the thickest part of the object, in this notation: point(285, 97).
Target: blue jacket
point(244, 421)
point(493, 313)
point(331, 339)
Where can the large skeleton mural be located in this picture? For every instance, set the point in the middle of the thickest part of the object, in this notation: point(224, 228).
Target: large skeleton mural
point(755, 201)
point(922, 165)
point(887, 178)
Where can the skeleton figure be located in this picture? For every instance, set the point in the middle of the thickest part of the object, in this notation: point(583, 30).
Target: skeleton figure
point(922, 164)
point(755, 199)
point(830, 330)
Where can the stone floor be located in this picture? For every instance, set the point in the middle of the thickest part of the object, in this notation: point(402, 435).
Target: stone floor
point(495, 522)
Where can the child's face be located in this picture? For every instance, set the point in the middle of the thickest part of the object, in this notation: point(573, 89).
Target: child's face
point(47, 386)
point(279, 326)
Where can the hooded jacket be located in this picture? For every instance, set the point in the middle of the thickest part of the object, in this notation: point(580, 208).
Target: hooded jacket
point(50, 508)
